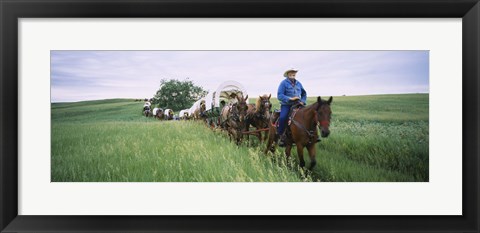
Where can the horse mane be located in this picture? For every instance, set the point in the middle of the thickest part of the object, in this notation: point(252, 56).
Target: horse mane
point(259, 102)
point(309, 107)
point(316, 106)
point(251, 110)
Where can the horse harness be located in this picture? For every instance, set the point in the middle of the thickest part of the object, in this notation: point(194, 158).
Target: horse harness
point(235, 116)
point(258, 114)
point(311, 133)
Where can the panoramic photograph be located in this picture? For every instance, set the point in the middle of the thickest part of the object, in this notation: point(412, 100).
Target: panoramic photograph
point(239, 116)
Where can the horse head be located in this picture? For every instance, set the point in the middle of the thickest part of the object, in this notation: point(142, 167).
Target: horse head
point(241, 106)
point(264, 105)
point(323, 115)
point(224, 113)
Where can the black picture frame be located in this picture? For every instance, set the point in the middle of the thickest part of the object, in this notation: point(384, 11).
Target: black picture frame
point(11, 11)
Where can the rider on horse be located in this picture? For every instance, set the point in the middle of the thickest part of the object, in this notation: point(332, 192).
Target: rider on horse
point(290, 92)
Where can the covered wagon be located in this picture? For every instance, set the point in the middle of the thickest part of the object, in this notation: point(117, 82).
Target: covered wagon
point(216, 100)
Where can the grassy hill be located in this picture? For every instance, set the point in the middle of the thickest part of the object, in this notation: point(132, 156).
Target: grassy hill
point(373, 138)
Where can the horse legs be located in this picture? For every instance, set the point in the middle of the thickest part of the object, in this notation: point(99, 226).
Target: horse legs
point(230, 134)
point(265, 135)
point(247, 129)
point(269, 144)
point(288, 150)
point(238, 137)
point(259, 136)
point(234, 135)
point(312, 153)
point(271, 138)
point(300, 155)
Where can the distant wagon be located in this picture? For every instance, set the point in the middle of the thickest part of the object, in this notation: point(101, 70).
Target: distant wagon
point(146, 109)
point(168, 114)
point(197, 110)
point(183, 115)
point(158, 113)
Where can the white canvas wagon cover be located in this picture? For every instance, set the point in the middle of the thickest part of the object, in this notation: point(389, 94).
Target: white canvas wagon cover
point(195, 106)
point(224, 91)
point(182, 113)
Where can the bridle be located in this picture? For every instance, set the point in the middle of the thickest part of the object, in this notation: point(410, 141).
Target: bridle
point(311, 132)
point(264, 107)
point(234, 112)
point(323, 123)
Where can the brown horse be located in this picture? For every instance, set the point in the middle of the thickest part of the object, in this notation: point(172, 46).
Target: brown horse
point(258, 115)
point(233, 116)
point(303, 129)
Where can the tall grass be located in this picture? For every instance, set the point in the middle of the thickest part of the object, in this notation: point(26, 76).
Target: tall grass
point(373, 138)
point(155, 151)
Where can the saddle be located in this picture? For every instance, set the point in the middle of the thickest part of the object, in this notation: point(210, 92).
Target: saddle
point(293, 110)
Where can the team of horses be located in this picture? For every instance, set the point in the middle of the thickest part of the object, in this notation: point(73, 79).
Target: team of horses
point(302, 126)
point(233, 117)
point(238, 117)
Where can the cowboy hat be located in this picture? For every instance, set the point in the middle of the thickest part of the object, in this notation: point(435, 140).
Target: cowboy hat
point(288, 71)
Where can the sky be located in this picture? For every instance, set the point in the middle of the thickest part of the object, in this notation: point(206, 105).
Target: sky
point(92, 75)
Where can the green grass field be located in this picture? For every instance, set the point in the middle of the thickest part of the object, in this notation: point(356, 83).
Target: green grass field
point(373, 138)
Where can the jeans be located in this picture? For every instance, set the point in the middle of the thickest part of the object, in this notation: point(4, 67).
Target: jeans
point(282, 121)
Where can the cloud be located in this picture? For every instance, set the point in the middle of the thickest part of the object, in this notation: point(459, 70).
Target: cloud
point(85, 75)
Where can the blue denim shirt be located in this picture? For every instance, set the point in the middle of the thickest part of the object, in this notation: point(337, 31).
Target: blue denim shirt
point(287, 90)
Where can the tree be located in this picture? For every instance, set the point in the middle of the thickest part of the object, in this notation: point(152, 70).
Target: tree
point(178, 95)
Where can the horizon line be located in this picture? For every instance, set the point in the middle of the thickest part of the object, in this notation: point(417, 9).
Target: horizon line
point(131, 98)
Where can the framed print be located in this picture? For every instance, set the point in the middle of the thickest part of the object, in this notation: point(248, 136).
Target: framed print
point(162, 116)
